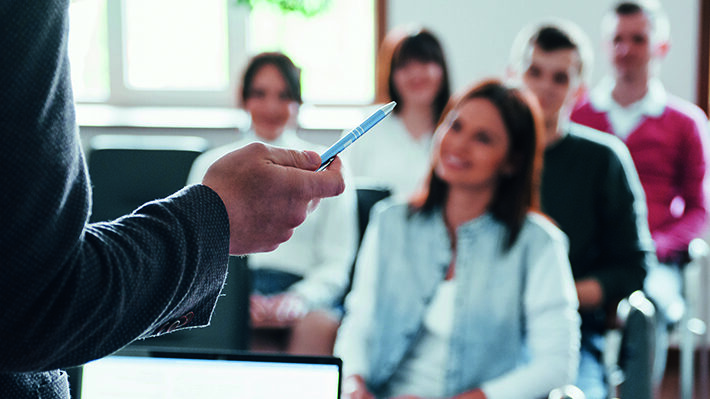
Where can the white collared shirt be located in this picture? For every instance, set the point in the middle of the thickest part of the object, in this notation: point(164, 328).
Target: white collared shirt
point(624, 120)
point(388, 155)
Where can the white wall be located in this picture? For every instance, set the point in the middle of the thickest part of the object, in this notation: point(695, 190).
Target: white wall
point(477, 34)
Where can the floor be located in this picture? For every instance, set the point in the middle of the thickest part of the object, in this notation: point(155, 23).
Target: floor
point(670, 387)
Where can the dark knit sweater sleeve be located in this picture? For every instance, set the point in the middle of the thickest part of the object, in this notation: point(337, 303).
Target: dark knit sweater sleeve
point(625, 243)
point(591, 189)
point(73, 292)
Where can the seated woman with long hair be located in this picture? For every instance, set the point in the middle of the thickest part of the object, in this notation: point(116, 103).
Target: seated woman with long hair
point(466, 290)
point(411, 69)
point(296, 288)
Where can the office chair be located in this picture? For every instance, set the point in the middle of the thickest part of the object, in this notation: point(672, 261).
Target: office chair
point(129, 170)
point(367, 196)
point(692, 325)
point(632, 377)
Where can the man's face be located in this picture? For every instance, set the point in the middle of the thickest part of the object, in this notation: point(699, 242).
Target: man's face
point(631, 46)
point(553, 76)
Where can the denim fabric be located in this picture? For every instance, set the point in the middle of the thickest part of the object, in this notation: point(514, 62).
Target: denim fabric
point(516, 326)
point(592, 376)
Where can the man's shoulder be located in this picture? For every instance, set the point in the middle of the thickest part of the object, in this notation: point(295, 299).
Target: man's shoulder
point(587, 114)
point(595, 140)
point(585, 106)
point(541, 223)
point(679, 108)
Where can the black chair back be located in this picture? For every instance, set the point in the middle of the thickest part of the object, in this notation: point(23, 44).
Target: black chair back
point(128, 170)
point(367, 197)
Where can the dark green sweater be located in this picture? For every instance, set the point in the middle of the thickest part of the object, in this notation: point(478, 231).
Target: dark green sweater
point(591, 190)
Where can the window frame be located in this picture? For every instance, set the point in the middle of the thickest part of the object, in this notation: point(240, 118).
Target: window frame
point(121, 95)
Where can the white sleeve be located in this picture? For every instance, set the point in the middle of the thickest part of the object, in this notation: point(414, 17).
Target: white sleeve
point(552, 330)
point(334, 249)
point(354, 334)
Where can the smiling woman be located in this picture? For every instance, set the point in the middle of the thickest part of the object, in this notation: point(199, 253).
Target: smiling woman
point(465, 291)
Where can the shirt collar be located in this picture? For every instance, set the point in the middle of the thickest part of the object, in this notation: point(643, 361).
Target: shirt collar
point(652, 104)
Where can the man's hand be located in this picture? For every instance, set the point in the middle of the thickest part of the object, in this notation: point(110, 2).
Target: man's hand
point(267, 192)
point(590, 293)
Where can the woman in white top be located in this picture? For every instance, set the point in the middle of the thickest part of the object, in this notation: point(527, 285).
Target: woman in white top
point(411, 70)
point(295, 286)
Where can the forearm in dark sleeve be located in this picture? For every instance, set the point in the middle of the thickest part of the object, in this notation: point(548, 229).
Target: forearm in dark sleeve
point(70, 292)
point(625, 245)
point(133, 277)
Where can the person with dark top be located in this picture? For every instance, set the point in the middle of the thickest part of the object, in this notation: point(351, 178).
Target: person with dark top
point(668, 140)
point(589, 188)
point(72, 292)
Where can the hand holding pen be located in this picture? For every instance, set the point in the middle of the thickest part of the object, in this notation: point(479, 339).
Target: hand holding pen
point(329, 154)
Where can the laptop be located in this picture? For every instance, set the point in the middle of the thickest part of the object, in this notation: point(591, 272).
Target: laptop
point(215, 375)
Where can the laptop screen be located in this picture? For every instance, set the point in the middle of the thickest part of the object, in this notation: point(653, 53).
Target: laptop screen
point(247, 376)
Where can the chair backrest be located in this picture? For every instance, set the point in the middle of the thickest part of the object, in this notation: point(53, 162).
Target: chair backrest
point(129, 170)
point(637, 317)
point(367, 197)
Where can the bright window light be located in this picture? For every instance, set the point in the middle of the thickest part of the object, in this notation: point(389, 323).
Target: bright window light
point(335, 49)
point(176, 44)
point(88, 50)
point(192, 53)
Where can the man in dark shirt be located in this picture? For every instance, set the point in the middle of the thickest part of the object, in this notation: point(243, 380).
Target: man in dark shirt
point(589, 188)
point(72, 292)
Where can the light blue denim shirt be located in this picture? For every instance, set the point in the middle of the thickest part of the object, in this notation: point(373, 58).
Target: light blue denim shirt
point(516, 327)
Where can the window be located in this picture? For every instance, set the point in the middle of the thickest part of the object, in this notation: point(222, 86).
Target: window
point(191, 53)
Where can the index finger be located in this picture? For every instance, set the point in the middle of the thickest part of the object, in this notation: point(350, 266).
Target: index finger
point(326, 183)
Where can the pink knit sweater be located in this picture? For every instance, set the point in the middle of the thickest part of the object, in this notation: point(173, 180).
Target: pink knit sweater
point(669, 153)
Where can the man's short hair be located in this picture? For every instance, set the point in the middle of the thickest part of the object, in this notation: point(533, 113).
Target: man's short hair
point(551, 36)
point(660, 25)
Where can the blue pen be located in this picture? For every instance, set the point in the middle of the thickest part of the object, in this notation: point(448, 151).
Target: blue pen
point(329, 154)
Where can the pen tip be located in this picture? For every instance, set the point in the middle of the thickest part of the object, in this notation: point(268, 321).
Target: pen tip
point(387, 108)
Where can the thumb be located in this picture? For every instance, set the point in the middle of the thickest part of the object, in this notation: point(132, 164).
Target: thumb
point(307, 160)
point(327, 183)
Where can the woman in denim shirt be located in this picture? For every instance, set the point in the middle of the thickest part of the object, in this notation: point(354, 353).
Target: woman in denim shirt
point(466, 291)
